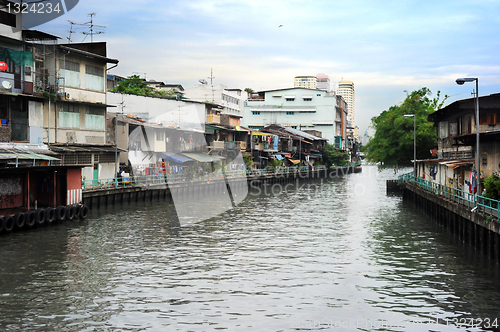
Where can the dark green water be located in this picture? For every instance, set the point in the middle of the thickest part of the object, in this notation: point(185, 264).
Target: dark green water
point(336, 254)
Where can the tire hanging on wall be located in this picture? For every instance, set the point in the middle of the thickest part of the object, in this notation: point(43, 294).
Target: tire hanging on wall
point(8, 223)
point(30, 218)
point(78, 209)
point(1, 224)
point(70, 212)
point(84, 211)
point(50, 214)
point(40, 216)
point(19, 220)
point(61, 213)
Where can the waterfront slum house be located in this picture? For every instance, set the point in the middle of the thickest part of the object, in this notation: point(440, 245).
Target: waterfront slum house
point(31, 113)
point(225, 136)
point(297, 146)
point(456, 143)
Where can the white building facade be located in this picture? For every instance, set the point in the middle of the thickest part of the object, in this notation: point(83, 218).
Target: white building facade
point(231, 99)
point(298, 108)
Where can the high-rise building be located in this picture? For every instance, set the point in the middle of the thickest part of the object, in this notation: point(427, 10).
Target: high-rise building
point(308, 82)
point(323, 82)
point(346, 90)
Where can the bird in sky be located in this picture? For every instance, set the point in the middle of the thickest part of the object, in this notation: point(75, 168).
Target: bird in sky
point(280, 25)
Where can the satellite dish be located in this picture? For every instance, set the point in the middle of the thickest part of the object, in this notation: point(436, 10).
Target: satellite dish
point(6, 85)
point(202, 81)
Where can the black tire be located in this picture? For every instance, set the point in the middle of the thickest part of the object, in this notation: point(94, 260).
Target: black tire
point(70, 212)
point(1, 224)
point(30, 218)
point(78, 210)
point(84, 211)
point(40, 216)
point(50, 214)
point(19, 220)
point(61, 213)
point(8, 223)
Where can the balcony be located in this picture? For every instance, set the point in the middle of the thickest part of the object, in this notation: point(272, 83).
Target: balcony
point(242, 145)
point(215, 119)
point(218, 145)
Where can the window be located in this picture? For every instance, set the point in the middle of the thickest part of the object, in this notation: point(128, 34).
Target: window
point(318, 95)
point(255, 127)
point(484, 158)
point(69, 115)
point(160, 136)
point(8, 19)
point(489, 118)
point(443, 129)
point(290, 98)
point(308, 99)
point(255, 112)
point(294, 127)
point(94, 78)
point(70, 70)
point(290, 113)
point(94, 118)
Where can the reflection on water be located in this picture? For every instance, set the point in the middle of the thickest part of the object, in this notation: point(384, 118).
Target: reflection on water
point(313, 256)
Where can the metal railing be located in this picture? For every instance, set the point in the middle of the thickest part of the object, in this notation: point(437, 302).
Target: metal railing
point(479, 204)
point(158, 179)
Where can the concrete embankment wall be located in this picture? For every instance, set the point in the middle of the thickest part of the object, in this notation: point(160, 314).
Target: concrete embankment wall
point(473, 228)
point(96, 199)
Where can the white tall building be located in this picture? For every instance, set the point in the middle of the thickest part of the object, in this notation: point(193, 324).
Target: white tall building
point(308, 82)
point(346, 90)
point(232, 99)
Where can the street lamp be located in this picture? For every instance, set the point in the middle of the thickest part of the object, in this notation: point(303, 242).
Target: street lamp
point(461, 81)
point(414, 142)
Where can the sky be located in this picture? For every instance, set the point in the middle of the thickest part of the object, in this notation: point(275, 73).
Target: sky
point(384, 47)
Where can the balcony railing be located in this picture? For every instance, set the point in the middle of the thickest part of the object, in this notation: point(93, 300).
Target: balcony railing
point(481, 204)
point(215, 119)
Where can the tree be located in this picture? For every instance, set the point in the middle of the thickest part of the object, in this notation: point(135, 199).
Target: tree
point(249, 90)
point(392, 142)
point(333, 156)
point(134, 85)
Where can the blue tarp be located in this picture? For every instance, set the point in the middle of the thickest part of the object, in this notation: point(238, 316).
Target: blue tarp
point(279, 157)
point(176, 157)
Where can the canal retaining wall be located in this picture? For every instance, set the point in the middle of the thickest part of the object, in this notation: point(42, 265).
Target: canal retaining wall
point(476, 229)
point(100, 198)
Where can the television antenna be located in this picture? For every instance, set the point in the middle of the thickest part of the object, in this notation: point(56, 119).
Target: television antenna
point(94, 29)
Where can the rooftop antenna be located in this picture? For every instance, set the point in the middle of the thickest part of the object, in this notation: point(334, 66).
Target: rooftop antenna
point(93, 27)
point(212, 84)
point(70, 30)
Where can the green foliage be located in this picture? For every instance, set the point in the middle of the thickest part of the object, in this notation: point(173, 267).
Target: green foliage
point(249, 90)
point(492, 186)
point(134, 85)
point(392, 142)
point(248, 161)
point(332, 156)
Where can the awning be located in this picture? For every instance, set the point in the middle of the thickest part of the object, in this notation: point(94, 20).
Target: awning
point(175, 157)
point(456, 163)
point(279, 157)
point(294, 161)
point(258, 133)
point(26, 156)
point(201, 157)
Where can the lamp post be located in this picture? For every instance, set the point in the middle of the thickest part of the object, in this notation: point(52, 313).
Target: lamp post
point(414, 142)
point(461, 81)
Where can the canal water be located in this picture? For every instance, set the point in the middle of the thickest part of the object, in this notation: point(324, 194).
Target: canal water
point(336, 254)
